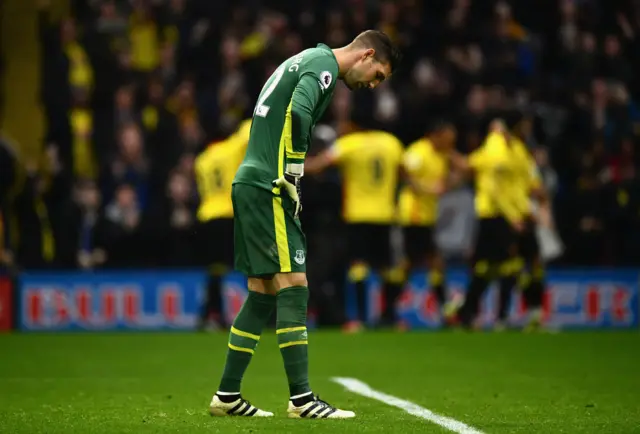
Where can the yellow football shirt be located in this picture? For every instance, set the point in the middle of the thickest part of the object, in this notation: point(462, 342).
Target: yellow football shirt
point(427, 166)
point(527, 177)
point(494, 167)
point(215, 169)
point(369, 163)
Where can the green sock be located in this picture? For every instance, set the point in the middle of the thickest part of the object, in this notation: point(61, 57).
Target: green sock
point(244, 337)
point(291, 329)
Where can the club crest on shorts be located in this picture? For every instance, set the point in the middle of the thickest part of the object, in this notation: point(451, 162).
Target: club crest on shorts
point(299, 258)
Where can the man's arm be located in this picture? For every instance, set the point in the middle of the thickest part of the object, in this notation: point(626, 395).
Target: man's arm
point(321, 162)
point(338, 152)
point(544, 215)
point(305, 98)
point(423, 188)
point(460, 162)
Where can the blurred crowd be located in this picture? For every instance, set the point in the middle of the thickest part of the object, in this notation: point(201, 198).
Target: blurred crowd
point(133, 90)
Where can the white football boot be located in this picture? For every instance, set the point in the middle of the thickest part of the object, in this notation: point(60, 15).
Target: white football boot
point(318, 409)
point(239, 407)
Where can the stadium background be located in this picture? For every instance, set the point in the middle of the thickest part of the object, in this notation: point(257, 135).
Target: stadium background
point(126, 93)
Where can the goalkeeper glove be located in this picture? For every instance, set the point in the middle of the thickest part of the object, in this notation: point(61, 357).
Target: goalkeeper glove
point(292, 186)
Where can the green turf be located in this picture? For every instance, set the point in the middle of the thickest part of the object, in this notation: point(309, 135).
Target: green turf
point(161, 383)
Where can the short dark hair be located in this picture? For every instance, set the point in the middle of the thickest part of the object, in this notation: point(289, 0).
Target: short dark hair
point(386, 51)
point(512, 118)
point(439, 125)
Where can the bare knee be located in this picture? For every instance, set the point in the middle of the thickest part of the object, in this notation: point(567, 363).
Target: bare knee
point(287, 280)
point(263, 286)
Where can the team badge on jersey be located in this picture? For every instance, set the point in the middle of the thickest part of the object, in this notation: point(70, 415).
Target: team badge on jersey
point(325, 79)
point(299, 258)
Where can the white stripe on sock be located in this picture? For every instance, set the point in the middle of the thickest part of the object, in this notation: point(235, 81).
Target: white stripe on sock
point(300, 396)
point(227, 393)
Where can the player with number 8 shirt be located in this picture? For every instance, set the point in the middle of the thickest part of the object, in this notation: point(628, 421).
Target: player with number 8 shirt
point(269, 243)
point(370, 165)
point(215, 168)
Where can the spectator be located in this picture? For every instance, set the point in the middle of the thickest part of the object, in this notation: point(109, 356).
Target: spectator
point(160, 126)
point(123, 233)
point(130, 165)
point(173, 233)
point(37, 247)
point(83, 229)
point(614, 65)
point(145, 36)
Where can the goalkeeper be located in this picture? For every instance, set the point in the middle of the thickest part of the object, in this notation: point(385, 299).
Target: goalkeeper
point(269, 243)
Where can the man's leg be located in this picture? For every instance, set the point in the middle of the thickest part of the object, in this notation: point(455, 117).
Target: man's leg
point(217, 237)
point(358, 274)
point(421, 254)
point(534, 294)
point(480, 279)
point(534, 288)
point(437, 278)
point(382, 255)
point(252, 227)
point(213, 300)
point(244, 336)
point(509, 272)
point(491, 249)
point(394, 279)
point(243, 340)
point(291, 330)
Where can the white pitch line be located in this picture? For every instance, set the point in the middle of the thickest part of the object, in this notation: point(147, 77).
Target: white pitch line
point(356, 386)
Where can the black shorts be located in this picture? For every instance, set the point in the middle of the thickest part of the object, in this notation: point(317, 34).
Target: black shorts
point(369, 243)
point(528, 247)
point(419, 243)
point(495, 240)
point(215, 239)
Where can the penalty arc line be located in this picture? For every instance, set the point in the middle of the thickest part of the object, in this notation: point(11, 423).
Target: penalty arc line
point(358, 387)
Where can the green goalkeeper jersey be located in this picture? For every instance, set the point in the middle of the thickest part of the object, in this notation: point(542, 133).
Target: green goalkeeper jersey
point(291, 102)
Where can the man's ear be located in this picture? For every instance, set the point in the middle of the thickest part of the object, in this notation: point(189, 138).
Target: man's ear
point(368, 53)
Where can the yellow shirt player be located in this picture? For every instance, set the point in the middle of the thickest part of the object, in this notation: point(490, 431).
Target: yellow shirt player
point(369, 162)
point(529, 187)
point(498, 217)
point(215, 169)
point(426, 167)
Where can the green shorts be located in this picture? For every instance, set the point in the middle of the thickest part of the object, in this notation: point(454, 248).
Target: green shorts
point(267, 238)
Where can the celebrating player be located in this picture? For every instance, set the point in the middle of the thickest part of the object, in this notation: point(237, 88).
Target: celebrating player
point(498, 217)
point(369, 162)
point(427, 171)
point(529, 186)
point(268, 239)
point(215, 168)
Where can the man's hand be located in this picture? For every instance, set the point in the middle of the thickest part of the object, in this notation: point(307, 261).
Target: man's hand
point(292, 185)
point(438, 188)
point(458, 161)
point(518, 226)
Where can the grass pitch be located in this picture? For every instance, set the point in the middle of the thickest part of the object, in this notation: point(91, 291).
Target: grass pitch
point(162, 383)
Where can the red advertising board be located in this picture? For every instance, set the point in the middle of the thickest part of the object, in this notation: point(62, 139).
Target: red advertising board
point(6, 304)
